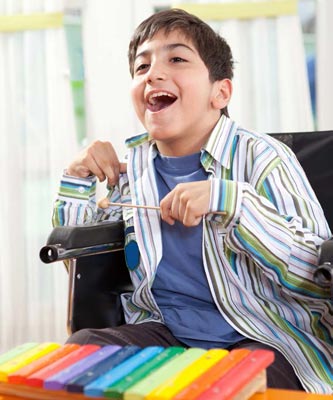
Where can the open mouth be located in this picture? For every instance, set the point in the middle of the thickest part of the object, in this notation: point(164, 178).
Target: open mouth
point(159, 101)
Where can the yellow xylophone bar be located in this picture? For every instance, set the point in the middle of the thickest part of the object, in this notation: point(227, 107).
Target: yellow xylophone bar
point(170, 387)
point(25, 358)
point(130, 372)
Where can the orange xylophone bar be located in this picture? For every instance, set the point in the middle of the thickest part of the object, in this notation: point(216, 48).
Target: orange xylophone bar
point(132, 373)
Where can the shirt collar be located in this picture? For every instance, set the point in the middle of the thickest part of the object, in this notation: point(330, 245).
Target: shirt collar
point(135, 141)
point(218, 146)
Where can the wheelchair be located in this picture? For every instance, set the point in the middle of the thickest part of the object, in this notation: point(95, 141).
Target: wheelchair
point(96, 262)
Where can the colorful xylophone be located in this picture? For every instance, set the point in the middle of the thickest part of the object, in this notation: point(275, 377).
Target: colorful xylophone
point(51, 371)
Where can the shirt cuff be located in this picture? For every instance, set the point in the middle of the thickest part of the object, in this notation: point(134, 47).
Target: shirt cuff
point(225, 196)
point(77, 188)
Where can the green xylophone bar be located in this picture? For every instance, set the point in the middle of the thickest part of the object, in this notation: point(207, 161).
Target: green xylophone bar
point(117, 390)
point(147, 385)
point(16, 351)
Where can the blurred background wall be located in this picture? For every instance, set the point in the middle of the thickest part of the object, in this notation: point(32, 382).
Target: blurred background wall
point(64, 82)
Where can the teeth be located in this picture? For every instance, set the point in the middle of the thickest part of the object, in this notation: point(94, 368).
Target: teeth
point(152, 97)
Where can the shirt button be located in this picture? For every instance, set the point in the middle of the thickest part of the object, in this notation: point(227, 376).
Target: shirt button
point(81, 189)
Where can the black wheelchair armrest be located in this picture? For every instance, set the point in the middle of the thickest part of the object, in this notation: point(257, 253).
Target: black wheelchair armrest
point(66, 242)
point(97, 272)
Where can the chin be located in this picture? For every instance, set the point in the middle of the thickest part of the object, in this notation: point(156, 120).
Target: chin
point(161, 133)
point(157, 132)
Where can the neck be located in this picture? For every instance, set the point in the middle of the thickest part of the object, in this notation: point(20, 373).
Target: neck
point(183, 146)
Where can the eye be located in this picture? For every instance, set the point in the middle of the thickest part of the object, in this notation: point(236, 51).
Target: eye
point(141, 67)
point(177, 60)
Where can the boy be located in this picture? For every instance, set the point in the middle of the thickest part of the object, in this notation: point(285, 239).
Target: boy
point(244, 279)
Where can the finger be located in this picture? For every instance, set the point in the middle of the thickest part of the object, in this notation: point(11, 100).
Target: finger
point(94, 168)
point(122, 168)
point(183, 204)
point(177, 205)
point(169, 219)
point(92, 160)
point(165, 209)
point(174, 210)
point(190, 219)
point(84, 167)
point(78, 171)
point(112, 174)
point(107, 161)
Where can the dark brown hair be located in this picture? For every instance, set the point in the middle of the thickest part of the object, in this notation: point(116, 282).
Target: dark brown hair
point(212, 48)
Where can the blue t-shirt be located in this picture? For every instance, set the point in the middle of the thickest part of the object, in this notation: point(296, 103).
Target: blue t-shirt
point(180, 287)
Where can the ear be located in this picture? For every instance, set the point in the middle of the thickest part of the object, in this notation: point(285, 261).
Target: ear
point(222, 92)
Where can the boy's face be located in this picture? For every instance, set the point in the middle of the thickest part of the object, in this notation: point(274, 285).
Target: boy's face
point(172, 94)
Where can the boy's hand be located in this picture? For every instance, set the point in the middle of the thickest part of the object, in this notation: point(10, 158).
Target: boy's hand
point(99, 159)
point(187, 203)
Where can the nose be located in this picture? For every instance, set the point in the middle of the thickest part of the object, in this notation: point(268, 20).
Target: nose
point(156, 72)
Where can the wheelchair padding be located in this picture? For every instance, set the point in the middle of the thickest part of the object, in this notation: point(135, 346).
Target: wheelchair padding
point(99, 281)
point(78, 236)
point(314, 151)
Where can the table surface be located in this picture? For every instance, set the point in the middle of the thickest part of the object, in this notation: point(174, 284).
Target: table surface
point(270, 394)
point(277, 394)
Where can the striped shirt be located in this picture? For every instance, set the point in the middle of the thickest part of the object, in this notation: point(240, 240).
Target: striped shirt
point(259, 259)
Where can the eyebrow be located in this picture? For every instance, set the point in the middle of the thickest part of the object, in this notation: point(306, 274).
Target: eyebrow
point(167, 47)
